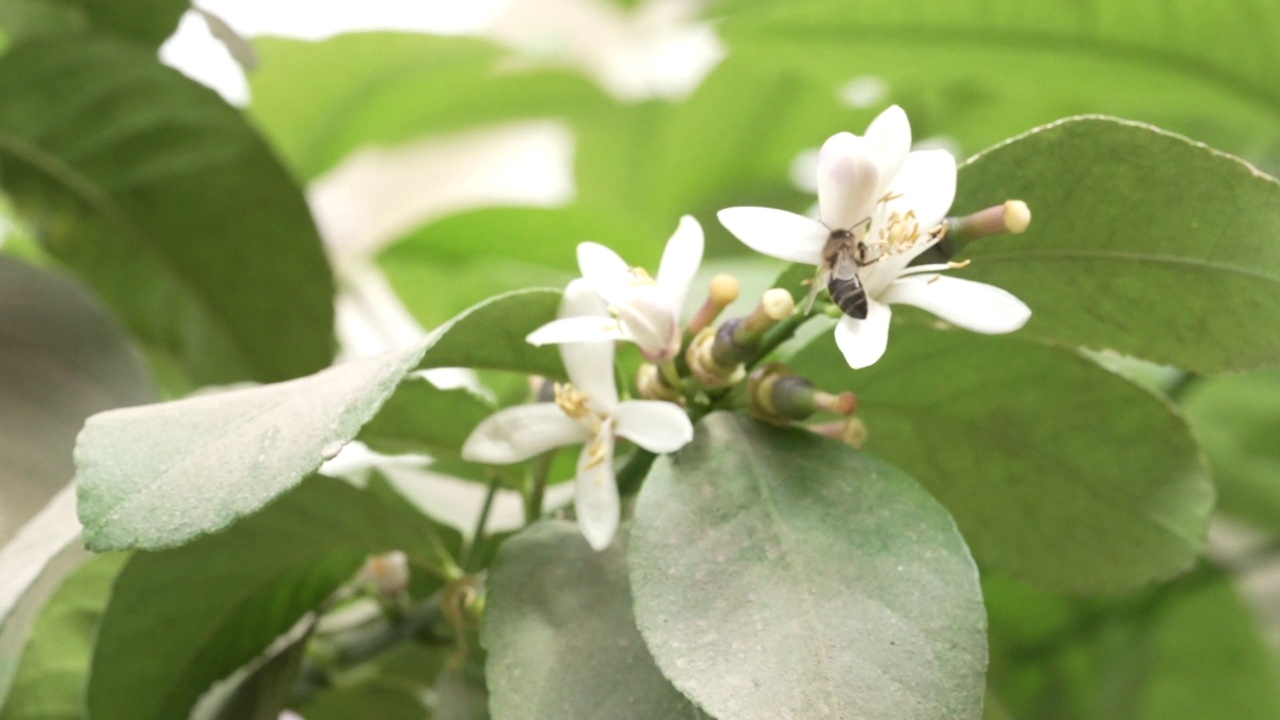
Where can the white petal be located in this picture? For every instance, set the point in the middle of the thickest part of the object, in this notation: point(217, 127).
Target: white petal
point(680, 260)
point(654, 425)
point(848, 180)
point(889, 141)
point(596, 500)
point(927, 183)
point(863, 341)
point(604, 270)
point(576, 330)
point(777, 233)
point(648, 318)
point(589, 364)
point(521, 432)
point(964, 303)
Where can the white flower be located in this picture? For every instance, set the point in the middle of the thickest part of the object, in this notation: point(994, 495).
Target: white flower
point(644, 310)
point(586, 410)
point(892, 201)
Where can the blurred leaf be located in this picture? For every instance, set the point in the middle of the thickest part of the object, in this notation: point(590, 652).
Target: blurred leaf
point(779, 574)
point(1184, 271)
point(1237, 420)
point(461, 695)
point(146, 22)
point(262, 694)
point(166, 201)
point(253, 583)
point(392, 686)
point(1058, 472)
point(33, 565)
point(62, 359)
point(1187, 651)
point(157, 476)
point(422, 418)
point(981, 70)
point(319, 101)
point(52, 676)
point(561, 638)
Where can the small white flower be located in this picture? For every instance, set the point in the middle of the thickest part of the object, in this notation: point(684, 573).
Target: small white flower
point(892, 201)
point(643, 310)
point(586, 410)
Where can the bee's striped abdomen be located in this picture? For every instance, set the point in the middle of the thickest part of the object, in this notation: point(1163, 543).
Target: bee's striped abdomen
point(849, 295)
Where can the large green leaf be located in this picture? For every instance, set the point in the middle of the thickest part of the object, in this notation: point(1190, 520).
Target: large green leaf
point(253, 583)
point(319, 101)
point(1058, 472)
point(147, 22)
point(156, 476)
point(1237, 420)
point(1184, 271)
point(982, 70)
point(780, 574)
point(53, 674)
point(168, 203)
point(561, 638)
point(1186, 651)
point(62, 359)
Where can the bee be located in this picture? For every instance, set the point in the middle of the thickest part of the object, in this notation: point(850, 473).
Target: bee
point(841, 258)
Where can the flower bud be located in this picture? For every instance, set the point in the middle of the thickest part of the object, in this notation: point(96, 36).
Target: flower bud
point(776, 394)
point(1012, 217)
point(703, 363)
point(388, 574)
point(653, 386)
point(724, 291)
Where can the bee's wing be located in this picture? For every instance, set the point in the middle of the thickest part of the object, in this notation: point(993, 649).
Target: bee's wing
point(819, 282)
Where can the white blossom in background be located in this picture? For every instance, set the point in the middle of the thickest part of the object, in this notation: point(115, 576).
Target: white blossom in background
point(660, 48)
point(644, 310)
point(893, 201)
point(587, 411)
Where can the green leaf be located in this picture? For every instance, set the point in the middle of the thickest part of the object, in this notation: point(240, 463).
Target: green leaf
point(1235, 419)
point(157, 476)
point(319, 101)
point(1187, 651)
point(62, 359)
point(252, 585)
point(1111, 256)
point(780, 574)
point(146, 22)
point(262, 693)
point(490, 336)
point(561, 638)
point(1058, 472)
point(422, 418)
point(981, 70)
point(396, 689)
point(167, 202)
point(51, 679)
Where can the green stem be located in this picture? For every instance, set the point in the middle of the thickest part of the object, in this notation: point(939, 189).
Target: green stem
point(481, 522)
point(539, 473)
point(779, 334)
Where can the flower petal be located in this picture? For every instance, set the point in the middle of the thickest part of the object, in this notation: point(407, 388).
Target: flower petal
point(964, 303)
point(589, 364)
point(777, 233)
point(654, 425)
point(596, 500)
point(863, 341)
point(648, 319)
point(576, 330)
point(927, 184)
point(605, 271)
point(848, 180)
point(521, 432)
point(889, 141)
point(680, 261)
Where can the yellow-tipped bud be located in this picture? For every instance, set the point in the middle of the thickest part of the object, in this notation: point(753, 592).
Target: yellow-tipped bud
point(725, 289)
point(1017, 216)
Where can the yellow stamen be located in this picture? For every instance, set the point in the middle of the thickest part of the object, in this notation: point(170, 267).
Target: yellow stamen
point(956, 265)
point(572, 401)
point(639, 277)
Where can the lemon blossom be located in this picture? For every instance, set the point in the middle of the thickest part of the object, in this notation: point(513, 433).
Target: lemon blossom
point(586, 410)
point(892, 201)
point(644, 310)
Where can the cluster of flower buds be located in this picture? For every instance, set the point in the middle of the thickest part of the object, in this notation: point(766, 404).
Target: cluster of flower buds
point(881, 207)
